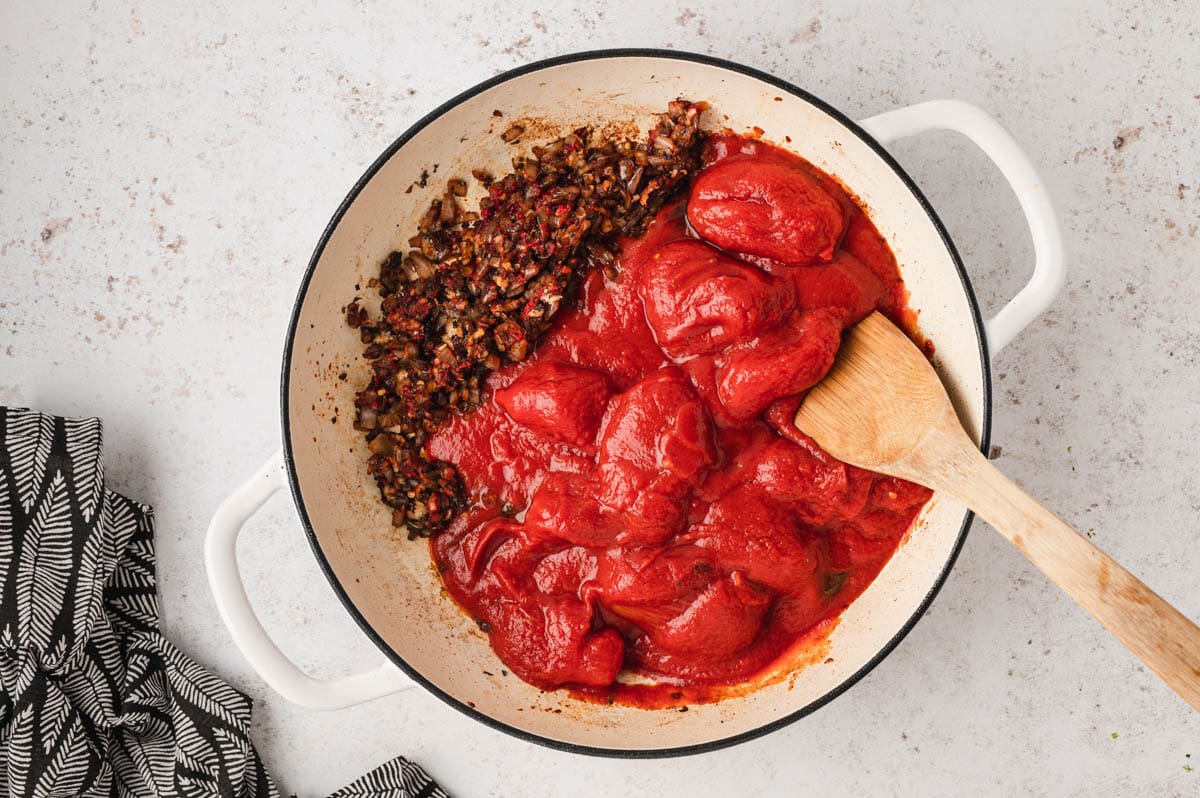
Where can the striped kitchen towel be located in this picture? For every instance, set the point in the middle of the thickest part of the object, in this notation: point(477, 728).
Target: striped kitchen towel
point(94, 700)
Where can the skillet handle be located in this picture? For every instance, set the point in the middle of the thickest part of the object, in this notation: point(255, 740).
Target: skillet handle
point(275, 667)
point(999, 145)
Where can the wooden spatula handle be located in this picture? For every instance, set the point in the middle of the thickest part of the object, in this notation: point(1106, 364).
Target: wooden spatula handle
point(1161, 636)
point(883, 407)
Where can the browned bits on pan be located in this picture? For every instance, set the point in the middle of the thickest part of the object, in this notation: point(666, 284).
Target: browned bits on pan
point(513, 133)
point(476, 289)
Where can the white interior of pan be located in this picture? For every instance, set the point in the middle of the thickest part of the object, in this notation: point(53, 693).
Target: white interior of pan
point(391, 581)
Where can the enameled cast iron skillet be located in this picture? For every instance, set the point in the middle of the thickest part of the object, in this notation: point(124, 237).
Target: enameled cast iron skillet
point(388, 584)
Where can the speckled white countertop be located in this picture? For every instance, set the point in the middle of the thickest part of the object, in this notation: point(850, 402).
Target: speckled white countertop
point(165, 173)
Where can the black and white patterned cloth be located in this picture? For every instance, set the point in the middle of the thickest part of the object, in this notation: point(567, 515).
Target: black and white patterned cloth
point(94, 700)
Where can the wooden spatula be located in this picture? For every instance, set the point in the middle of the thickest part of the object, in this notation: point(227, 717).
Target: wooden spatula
point(882, 407)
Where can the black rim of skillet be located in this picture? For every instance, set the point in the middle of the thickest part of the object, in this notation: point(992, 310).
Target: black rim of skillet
point(289, 453)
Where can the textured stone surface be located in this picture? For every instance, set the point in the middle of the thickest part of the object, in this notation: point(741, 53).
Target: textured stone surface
point(165, 173)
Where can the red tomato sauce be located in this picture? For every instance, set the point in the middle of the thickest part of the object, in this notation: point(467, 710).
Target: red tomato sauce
point(641, 500)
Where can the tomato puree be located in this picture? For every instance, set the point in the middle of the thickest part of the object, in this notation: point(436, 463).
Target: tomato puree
point(641, 503)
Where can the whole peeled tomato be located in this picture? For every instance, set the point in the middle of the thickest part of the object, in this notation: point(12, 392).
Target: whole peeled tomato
point(787, 360)
point(768, 208)
point(699, 300)
point(844, 283)
point(656, 444)
point(558, 399)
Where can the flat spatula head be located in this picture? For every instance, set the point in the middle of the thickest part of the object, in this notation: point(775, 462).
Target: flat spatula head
point(879, 401)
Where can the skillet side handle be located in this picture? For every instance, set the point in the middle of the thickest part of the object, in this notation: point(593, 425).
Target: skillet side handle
point(229, 592)
point(999, 145)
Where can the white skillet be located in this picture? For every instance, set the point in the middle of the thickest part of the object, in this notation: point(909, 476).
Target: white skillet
point(388, 584)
